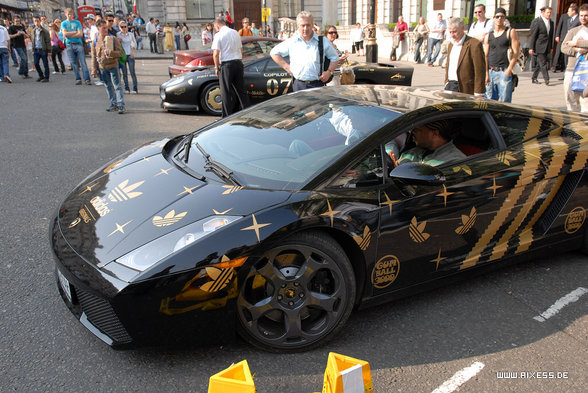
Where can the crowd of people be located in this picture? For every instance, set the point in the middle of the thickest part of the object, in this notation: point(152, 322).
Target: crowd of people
point(480, 60)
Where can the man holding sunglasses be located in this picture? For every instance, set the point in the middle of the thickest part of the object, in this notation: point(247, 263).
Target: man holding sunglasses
point(499, 84)
point(480, 28)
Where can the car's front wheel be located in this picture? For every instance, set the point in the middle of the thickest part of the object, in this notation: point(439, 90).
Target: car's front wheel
point(210, 99)
point(297, 295)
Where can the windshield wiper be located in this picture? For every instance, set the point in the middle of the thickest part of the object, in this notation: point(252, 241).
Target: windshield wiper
point(188, 146)
point(221, 170)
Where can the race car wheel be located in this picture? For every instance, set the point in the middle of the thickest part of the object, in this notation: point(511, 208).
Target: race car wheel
point(210, 99)
point(298, 295)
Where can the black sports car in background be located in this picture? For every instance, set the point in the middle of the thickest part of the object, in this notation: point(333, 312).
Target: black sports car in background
point(264, 79)
point(279, 220)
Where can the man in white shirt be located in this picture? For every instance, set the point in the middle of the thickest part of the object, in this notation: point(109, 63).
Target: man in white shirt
point(150, 28)
point(480, 28)
point(541, 44)
point(227, 52)
point(435, 39)
point(4, 53)
point(357, 39)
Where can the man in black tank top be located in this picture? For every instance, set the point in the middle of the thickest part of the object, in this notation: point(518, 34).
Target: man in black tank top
point(497, 43)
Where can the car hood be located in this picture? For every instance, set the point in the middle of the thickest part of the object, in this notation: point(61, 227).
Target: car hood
point(142, 196)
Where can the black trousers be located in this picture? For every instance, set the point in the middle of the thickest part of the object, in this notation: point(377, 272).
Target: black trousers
point(232, 87)
point(152, 42)
point(540, 64)
point(299, 85)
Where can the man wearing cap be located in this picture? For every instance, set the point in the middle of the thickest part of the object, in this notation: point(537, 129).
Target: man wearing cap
point(499, 85)
point(434, 145)
point(540, 43)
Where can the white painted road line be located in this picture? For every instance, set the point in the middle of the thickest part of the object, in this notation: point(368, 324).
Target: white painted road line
point(571, 297)
point(459, 378)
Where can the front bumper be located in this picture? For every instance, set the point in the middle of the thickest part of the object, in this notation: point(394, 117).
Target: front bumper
point(122, 314)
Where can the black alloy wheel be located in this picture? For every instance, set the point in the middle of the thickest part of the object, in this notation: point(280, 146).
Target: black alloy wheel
point(298, 295)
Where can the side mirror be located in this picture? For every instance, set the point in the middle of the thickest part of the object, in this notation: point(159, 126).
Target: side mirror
point(415, 173)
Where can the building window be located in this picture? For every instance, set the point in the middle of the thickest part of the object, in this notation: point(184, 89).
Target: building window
point(438, 5)
point(200, 9)
point(397, 10)
point(290, 8)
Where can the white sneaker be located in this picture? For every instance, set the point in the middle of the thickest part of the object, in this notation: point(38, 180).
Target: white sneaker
point(54, 72)
point(99, 83)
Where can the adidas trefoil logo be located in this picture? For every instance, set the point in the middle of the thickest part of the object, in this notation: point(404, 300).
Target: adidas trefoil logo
point(364, 241)
point(417, 231)
point(169, 219)
point(124, 192)
point(220, 278)
point(467, 221)
point(505, 158)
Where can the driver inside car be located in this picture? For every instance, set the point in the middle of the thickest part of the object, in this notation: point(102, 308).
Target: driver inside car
point(434, 145)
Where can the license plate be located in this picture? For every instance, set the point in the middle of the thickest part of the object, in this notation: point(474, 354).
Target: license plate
point(64, 285)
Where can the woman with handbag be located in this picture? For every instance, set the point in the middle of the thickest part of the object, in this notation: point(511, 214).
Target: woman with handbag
point(186, 34)
point(421, 32)
point(56, 48)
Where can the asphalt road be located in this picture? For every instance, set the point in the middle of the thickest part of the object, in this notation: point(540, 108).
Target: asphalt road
point(53, 135)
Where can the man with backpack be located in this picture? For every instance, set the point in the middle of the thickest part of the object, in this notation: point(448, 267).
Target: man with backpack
point(108, 49)
point(499, 82)
point(482, 26)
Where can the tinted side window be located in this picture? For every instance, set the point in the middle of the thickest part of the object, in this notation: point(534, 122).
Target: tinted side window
point(266, 46)
point(514, 128)
point(273, 67)
point(368, 172)
point(250, 49)
point(257, 67)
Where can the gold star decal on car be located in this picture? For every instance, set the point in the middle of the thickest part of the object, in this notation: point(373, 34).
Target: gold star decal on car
point(364, 241)
point(417, 231)
point(163, 172)
point(437, 260)
point(331, 213)
point(222, 213)
point(388, 202)
point(187, 190)
point(255, 227)
point(120, 228)
point(89, 188)
point(494, 186)
point(110, 167)
point(445, 194)
point(467, 222)
point(146, 159)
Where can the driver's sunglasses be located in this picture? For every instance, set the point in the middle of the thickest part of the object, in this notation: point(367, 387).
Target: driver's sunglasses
point(332, 32)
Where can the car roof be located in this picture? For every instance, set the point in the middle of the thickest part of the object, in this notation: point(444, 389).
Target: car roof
point(406, 99)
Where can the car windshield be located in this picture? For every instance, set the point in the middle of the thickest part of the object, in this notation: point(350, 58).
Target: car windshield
point(283, 143)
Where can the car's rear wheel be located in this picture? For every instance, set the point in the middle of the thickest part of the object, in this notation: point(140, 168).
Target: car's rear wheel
point(210, 99)
point(297, 295)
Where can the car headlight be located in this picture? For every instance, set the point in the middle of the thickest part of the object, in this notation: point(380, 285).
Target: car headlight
point(162, 94)
point(149, 254)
